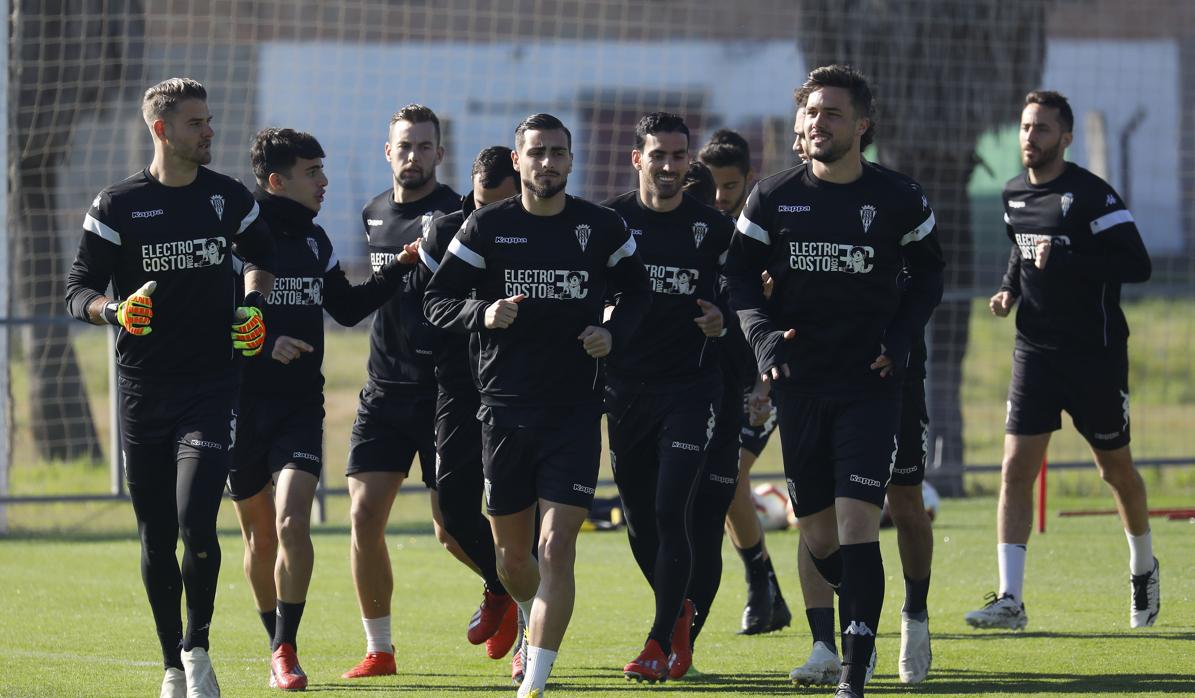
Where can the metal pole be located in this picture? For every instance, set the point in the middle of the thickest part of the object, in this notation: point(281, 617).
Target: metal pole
point(5, 417)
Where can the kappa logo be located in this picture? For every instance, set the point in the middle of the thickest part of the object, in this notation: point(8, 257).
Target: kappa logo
point(636, 231)
point(867, 213)
point(305, 456)
point(313, 246)
point(373, 222)
point(1065, 201)
point(869, 482)
point(147, 214)
point(95, 203)
point(1111, 200)
point(924, 202)
point(582, 231)
point(699, 231)
point(509, 240)
point(858, 627)
point(786, 208)
point(1016, 204)
point(218, 204)
point(722, 479)
point(685, 447)
point(578, 487)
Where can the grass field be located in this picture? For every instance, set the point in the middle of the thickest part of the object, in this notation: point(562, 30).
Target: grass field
point(75, 620)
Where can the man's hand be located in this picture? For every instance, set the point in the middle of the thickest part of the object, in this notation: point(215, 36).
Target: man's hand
point(596, 341)
point(759, 404)
point(410, 252)
point(768, 284)
point(249, 329)
point(710, 320)
point(135, 312)
point(502, 313)
point(882, 364)
point(1001, 303)
point(288, 349)
point(1043, 251)
point(777, 372)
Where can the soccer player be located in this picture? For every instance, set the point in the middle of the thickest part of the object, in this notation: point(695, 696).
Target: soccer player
point(834, 339)
point(538, 359)
point(176, 362)
point(396, 416)
point(458, 431)
point(663, 391)
point(280, 432)
point(728, 156)
point(1073, 244)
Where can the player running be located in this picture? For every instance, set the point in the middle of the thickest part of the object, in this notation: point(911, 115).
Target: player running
point(396, 415)
point(150, 236)
point(835, 338)
point(280, 432)
point(538, 358)
point(663, 391)
point(1073, 244)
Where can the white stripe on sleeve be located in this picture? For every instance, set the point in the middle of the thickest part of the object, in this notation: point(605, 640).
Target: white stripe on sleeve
point(332, 262)
point(628, 248)
point(93, 225)
point(1109, 220)
point(748, 227)
point(249, 218)
point(466, 255)
point(428, 260)
point(722, 257)
point(920, 231)
point(1007, 220)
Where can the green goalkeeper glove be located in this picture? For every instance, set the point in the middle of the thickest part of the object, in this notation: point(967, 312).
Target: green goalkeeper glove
point(249, 330)
point(133, 313)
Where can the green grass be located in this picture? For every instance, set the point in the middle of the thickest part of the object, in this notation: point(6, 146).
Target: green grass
point(76, 622)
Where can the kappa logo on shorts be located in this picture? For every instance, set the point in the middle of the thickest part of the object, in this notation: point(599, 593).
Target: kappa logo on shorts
point(578, 487)
point(905, 471)
point(685, 447)
point(200, 443)
point(305, 456)
point(866, 481)
point(722, 479)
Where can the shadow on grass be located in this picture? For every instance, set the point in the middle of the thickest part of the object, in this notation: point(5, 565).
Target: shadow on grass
point(1134, 636)
point(965, 682)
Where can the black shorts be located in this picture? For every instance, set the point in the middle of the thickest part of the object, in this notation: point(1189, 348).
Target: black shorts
point(458, 436)
point(755, 439)
point(1092, 387)
point(913, 439)
point(523, 464)
point(650, 428)
point(158, 420)
point(275, 432)
point(837, 447)
point(391, 427)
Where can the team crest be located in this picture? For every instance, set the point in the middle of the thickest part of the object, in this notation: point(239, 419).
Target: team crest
point(1066, 201)
point(314, 246)
point(582, 232)
point(426, 222)
point(218, 204)
point(699, 231)
point(867, 213)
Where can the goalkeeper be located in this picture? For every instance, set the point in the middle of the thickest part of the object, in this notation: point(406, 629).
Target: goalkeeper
point(164, 238)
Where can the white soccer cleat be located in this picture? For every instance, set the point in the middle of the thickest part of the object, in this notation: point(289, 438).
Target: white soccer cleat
point(821, 669)
point(1003, 612)
point(915, 653)
point(201, 680)
point(1146, 598)
point(174, 684)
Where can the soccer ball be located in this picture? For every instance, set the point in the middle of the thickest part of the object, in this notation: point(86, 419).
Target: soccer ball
point(771, 506)
point(929, 496)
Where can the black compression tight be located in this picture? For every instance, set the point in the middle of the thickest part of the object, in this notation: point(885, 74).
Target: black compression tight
point(460, 509)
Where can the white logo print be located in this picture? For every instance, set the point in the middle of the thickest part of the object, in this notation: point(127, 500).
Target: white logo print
point(232, 429)
point(218, 204)
point(1124, 406)
point(709, 426)
point(867, 213)
point(892, 462)
point(858, 627)
point(1111, 200)
point(1066, 201)
point(314, 246)
point(792, 493)
point(426, 221)
point(1016, 204)
point(699, 231)
point(582, 232)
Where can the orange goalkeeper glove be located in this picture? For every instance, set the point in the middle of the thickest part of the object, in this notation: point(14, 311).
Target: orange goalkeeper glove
point(249, 330)
point(135, 312)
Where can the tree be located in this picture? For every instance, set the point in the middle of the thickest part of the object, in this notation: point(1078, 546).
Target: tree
point(944, 72)
point(69, 58)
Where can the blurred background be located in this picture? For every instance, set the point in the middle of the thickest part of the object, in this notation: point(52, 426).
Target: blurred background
point(949, 76)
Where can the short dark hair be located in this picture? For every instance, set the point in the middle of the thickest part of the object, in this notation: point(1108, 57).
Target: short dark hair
point(852, 81)
point(541, 122)
point(494, 164)
point(726, 148)
point(416, 114)
point(277, 149)
point(658, 122)
point(164, 97)
point(1054, 100)
point(699, 182)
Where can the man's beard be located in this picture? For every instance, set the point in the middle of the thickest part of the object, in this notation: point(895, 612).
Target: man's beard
point(667, 191)
point(834, 153)
point(196, 156)
point(1043, 156)
point(545, 191)
point(416, 182)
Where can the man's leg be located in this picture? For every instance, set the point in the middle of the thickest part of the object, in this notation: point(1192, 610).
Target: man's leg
point(296, 556)
point(861, 594)
point(915, 540)
point(371, 496)
point(445, 536)
point(823, 665)
point(256, 517)
point(747, 536)
point(1128, 490)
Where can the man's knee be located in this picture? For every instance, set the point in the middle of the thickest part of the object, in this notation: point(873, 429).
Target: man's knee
point(558, 550)
point(906, 505)
point(293, 530)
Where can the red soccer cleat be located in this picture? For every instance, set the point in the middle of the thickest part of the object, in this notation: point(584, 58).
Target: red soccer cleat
point(518, 665)
point(499, 644)
point(374, 664)
point(488, 619)
point(682, 651)
point(285, 672)
point(651, 665)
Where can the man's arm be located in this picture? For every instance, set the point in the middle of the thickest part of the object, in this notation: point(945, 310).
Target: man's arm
point(631, 291)
point(349, 304)
point(750, 249)
point(446, 303)
point(923, 260)
point(1121, 257)
point(88, 278)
